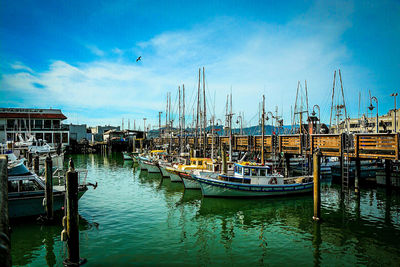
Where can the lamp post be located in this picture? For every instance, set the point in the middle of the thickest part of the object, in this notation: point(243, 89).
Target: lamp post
point(377, 118)
point(395, 123)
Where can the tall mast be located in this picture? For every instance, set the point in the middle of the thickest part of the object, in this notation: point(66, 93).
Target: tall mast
point(333, 95)
point(183, 114)
point(204, 115)
point(262, 130)
point(230, 131)
point(198, 107)
point(166, 114)
point(344, 103)
point(306, 98)
point(180, 119)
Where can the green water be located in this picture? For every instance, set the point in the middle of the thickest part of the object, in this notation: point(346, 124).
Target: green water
point(136, 218)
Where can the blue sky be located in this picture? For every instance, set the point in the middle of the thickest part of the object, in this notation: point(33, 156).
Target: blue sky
point(80, 55)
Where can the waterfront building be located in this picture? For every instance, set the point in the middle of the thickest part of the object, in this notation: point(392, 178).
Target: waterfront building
point(44, 124)
point(366, 124)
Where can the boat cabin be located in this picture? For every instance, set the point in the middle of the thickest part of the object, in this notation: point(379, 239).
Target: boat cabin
point(253, 174)
point(22, 184)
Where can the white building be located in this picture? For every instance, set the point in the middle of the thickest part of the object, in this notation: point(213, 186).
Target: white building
point(42, 123)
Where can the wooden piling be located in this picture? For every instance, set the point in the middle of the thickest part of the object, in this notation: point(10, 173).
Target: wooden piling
point(134, 145)
point(388, 172)
point(141, 145)
point(72, 217)
point(317, 186)
point(5, 243)
point(49, 188)
point(223, 155)
point(357, 175)
point(287, 165)
point(36, 164)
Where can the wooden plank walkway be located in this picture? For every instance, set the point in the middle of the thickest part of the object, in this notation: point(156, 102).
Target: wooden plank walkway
point(363, 146)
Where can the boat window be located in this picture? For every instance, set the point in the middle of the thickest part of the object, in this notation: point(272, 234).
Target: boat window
point(262, 172)
point(29, 185)
point(200, 162)
point(12, 186)
point(253, 172)
point(246, 171)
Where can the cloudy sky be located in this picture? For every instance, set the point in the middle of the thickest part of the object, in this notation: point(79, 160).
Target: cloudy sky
point(80, 56)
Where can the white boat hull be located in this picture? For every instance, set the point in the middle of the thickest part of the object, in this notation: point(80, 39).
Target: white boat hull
point(164, 172)
point(215, 188)
point(175, 177)
point(190, 183)
point(150, 167)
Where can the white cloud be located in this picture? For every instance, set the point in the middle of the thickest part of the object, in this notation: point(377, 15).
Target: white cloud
point(95, 50)
point(253, 57)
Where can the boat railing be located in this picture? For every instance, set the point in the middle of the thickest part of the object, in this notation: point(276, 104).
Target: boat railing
point(298, 179)
point(59, 176)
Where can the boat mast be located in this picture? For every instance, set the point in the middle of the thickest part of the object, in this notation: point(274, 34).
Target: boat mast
point(183, 114)
point(198, 109)
point(204, 115)
point(230, 131)
point(333, 95)
point(180, 119)
point(344, 103)
point(262, 130)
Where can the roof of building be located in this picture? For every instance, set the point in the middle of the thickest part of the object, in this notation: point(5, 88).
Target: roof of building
point(32, 113)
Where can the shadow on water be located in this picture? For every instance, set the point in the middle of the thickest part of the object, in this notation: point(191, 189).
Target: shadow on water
point(29, 237)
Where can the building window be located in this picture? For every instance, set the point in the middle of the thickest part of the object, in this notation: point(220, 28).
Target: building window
point(38, 124)
point(354, 125)
point(10, 124)
point(47, 124)
point(10, 137)
point(39, 136)
point(48, 137)
point(65, 138)
point(57, 138)
point(56, 124)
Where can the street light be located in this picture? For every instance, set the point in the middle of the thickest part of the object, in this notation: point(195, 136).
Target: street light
point(395, 123)
point(377, 118)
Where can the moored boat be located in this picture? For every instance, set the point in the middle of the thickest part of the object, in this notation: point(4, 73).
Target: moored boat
point(26, 192)
point(251, 181)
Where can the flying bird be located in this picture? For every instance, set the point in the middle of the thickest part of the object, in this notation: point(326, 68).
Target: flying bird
point(139, 58)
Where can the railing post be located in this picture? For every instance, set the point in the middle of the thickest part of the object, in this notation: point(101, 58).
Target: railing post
point(5, 244)
point(49, 188)
point(317, 186)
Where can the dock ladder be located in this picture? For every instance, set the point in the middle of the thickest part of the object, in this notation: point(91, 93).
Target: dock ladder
point(346, 162)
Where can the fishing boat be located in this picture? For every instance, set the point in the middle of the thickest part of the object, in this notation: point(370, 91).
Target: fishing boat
point(26, 191)
point(150, 162)
point(250, 180)
point(127, 156)
point(177, 169)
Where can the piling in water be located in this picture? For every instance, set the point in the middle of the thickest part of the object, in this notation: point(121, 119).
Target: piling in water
point(49, 188)
point(357, 176)
point(72, 217)
point(317, 188)
point(36, 165)
point(5, 244)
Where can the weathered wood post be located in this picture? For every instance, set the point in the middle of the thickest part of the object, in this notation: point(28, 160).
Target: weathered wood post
point(29, 159)
point(141, 145)
point(357, 176)
point(134, 144)
point(287, 164)
point(72, 217)
point(388, 172)
point(49, 188)
point(317, 185)
point(5, 244)
point(223, 155)
point(36, 164)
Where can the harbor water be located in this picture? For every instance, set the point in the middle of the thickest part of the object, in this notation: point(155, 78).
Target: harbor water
point(136, 218)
